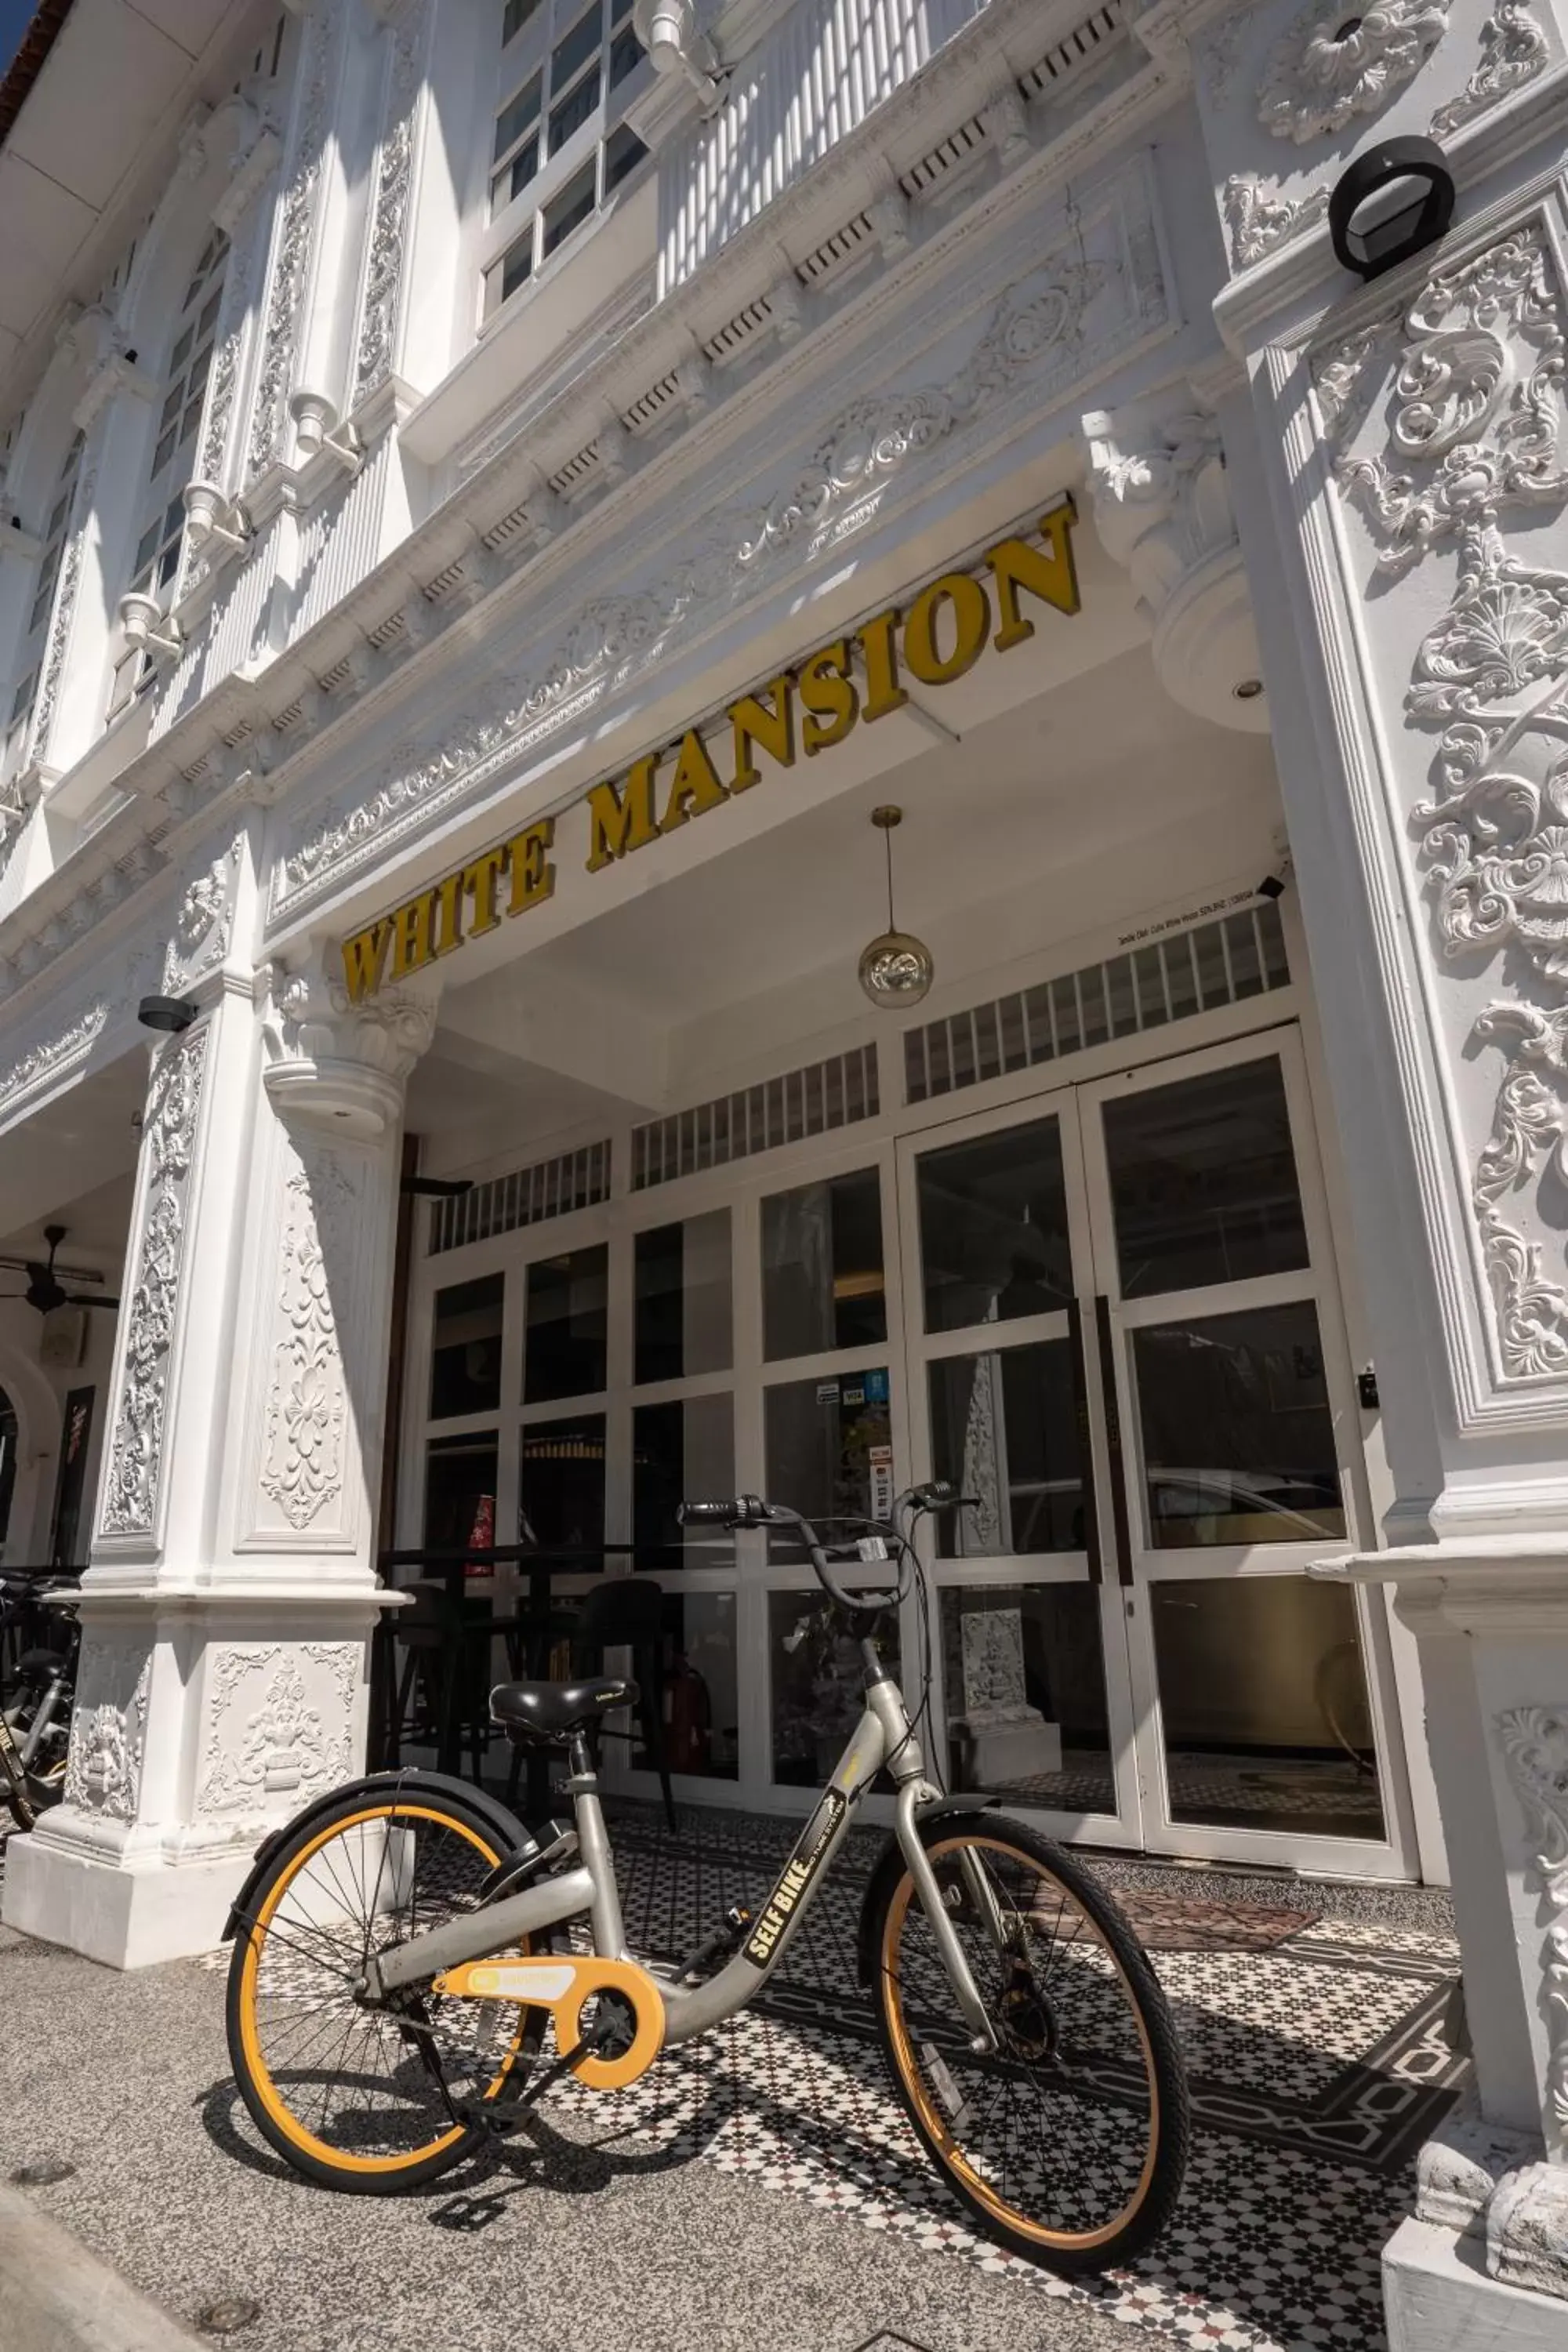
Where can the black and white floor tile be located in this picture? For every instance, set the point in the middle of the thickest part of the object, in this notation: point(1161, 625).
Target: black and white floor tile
point(1316, 2067)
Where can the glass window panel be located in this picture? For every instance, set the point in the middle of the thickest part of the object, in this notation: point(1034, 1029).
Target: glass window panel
point(561, 1484)
point(574, 48)
point(624, 51)
point(1024, 1673)
point(517, 116)
point(460, 1491)
point(516, 176)
point(817, 1684)
point(623, 151)
point(701, 1687)
point(571, 208)
point(993, 1228)
point(823, 1284)
point(575, 109)
point(518, 13)
point(682, 1315)
point(681, 1451)
point(564, 1345)
point(1263, 1706)
point(464, 1349)
point(1203, 1181)
point(516, 267)
point(1004, 1430)
point(1238, 1441)
point(828, 1448)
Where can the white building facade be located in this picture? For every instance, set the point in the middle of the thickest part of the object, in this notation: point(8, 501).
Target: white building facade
point(496, 493)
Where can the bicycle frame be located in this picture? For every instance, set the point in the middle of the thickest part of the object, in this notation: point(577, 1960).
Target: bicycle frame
point(883, 1736)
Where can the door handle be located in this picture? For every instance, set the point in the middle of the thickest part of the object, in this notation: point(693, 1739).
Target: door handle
point(1084, 1442)
point(1118, 1459)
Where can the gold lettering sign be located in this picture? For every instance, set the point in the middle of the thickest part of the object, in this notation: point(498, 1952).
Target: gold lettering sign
point(817, 705)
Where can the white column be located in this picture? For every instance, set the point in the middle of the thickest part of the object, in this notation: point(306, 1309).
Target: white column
point(231, 1596)
point(1398, 466)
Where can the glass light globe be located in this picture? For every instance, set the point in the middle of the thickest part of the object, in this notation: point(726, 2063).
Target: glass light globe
point(896, 969)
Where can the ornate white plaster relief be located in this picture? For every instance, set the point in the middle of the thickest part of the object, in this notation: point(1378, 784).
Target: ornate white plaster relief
point(1259, 223)
point(203, 923)
point(1331, 63)
point(1513, 51)
point(1061, 322)
point(47, 1060)
point(296, 224)
point(63, 614)
point(271, 1735)
point(307, 1402)
point(168, 1145)
point(389, 210)
point(1475, 429)
point(108, 1730)
point(1535, 1750)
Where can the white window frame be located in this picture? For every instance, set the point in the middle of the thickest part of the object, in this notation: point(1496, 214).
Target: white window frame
point(35, 642)
point(523, 219)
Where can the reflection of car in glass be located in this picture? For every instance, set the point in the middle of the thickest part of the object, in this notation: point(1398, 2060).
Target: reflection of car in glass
point(1301, 1506)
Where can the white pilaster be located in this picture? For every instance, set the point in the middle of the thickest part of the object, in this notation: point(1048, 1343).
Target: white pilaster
point(228, 1608)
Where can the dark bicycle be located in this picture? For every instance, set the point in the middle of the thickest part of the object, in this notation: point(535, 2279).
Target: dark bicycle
point(402, 1948)
point(37, 1693)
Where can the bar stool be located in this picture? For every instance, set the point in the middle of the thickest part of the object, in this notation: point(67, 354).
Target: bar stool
point(434, 1640)
point(624, 1612)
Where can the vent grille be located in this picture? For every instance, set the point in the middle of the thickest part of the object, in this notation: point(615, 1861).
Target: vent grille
point(1065, 58)
point(812, 1101)
point(740, 331)
point(1168, 979)
point(575, 472)
point(649, 409)
point(529, 1196)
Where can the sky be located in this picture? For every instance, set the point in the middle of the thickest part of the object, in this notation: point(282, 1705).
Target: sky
point(15, 17)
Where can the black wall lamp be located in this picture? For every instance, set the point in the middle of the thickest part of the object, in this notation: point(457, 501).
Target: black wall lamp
point(437, 1188)
point(169, 1013)
point(1393, 201)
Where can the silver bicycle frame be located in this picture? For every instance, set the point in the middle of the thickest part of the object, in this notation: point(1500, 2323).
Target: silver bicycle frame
point(882, 1736)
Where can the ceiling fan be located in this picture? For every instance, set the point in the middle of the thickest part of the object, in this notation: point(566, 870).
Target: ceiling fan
point(43, 1290)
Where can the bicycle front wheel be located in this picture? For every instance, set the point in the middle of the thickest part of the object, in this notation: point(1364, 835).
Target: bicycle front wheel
point(355, 2097)
point(1067, 2140)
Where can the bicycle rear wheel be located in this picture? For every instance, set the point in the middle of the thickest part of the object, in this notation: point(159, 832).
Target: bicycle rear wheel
point(1068, 2142)
point(353, 2097)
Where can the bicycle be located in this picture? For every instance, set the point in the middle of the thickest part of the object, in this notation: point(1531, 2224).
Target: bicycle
point(402, 1948)
point(36, 1710)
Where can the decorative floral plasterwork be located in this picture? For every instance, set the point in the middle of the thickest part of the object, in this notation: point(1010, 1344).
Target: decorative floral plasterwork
point(1475, 428)
point(296, 223)
point(168, 1145)
point(389, 211)
point(1535, 1751)
point(1477, 424)
point(62, 615)
point(1513, 51)
point(1260, 223)
point(203, 923)
point(46, 1061)
point(307, 1404)
point(313, 1021)
point(282, 1749)
point(1332, 64)
point(1042, 332)
point(103, 1763)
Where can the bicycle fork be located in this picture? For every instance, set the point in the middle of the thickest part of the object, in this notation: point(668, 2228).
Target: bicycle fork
point(907, 1767)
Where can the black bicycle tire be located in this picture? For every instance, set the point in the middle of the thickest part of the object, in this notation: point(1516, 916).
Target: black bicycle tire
point(1174, 2127)
point(443, 2159)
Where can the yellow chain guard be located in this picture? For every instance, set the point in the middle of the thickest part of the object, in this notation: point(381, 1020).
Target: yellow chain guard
point(561, 1984)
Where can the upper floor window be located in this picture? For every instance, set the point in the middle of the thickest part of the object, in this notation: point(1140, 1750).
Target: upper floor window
point(560, 147)
point(36, 637)
point(163, 511)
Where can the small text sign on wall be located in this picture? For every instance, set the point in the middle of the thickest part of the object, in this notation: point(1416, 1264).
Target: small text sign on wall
point(855, 680)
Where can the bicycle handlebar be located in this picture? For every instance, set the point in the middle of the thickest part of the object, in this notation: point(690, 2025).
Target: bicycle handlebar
point(750, 1511)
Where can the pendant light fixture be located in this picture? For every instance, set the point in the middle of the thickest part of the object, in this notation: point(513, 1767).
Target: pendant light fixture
point(896, 969)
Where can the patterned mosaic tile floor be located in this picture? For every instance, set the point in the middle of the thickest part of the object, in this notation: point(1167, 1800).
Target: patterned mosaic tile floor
point(1317, 2066)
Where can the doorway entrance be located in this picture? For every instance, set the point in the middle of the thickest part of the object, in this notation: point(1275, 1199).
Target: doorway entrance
point(1125, 1351)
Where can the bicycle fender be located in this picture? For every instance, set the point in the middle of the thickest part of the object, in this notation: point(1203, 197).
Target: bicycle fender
point(885, 1877)
point(411, 1782)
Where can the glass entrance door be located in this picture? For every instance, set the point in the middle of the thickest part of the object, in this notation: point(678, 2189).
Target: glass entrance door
point(1126, 1352)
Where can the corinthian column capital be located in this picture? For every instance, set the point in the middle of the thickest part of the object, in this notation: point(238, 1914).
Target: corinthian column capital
point(341, 1068)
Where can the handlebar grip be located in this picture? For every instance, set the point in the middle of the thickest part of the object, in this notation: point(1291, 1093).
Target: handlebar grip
point(745, 1511)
